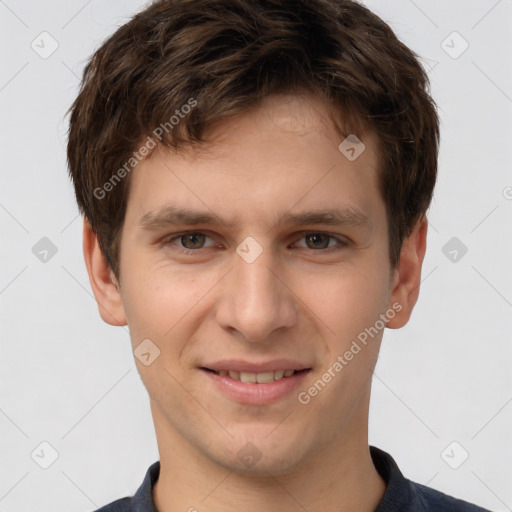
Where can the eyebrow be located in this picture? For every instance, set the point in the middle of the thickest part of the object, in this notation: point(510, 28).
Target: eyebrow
point(169, 216)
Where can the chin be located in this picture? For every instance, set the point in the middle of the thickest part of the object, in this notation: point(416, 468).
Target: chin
point(261, 454)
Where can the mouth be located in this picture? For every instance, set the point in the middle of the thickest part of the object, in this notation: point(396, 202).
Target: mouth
point(259, 378)
point(259, 387)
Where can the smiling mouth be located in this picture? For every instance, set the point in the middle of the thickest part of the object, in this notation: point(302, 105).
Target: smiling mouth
point(259, 378)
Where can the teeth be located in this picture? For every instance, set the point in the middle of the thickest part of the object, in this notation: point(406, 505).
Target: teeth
point(265, 378)
point(260, 378)
point(248, 377)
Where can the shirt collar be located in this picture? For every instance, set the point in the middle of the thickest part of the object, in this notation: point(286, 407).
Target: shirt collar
point(142, 500)
point(399, 495)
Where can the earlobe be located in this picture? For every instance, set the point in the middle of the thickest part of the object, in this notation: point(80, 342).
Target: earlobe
point(103, 282)
point(407, 275)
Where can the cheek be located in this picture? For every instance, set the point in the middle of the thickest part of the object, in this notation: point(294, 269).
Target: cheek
point(167, 307)
point(158, 305)
point(351, 300)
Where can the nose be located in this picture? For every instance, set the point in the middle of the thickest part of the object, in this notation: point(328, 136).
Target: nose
point(256, 300)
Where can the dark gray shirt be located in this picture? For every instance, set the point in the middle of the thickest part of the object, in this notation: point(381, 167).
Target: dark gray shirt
point(401, 494)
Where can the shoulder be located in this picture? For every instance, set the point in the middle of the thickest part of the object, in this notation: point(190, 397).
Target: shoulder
point(437, 501)
point(404, 495)
point(142, 500)
point(122, 505)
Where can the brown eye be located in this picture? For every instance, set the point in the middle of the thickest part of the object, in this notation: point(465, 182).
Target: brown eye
point(317, 240)
point(192, 240)
point(189, 242)
point(322, 242)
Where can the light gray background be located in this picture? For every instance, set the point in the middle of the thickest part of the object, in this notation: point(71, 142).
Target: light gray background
point(70, 380)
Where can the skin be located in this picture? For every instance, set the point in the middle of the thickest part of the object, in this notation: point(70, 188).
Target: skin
point(293, 301)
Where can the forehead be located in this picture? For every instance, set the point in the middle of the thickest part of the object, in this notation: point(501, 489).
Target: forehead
point(284, 152)
point(300, 115)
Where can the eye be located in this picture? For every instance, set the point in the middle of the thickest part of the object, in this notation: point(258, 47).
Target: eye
point(190, 241)
point(193, 241)
point(322, 241)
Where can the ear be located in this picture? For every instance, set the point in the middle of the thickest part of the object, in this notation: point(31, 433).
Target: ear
point(407, 275)
point(103, 282)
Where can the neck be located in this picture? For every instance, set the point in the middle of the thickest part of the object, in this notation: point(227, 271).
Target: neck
point(339, 478)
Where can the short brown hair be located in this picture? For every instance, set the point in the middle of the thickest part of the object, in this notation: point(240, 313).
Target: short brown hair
point(226, 55)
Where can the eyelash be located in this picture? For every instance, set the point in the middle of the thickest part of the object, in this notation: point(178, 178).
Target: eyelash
point(341, 243)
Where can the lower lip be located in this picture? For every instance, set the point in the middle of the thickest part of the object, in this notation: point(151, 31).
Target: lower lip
point(256, 394)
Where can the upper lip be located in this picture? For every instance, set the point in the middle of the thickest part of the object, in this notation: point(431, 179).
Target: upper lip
point(239, 365)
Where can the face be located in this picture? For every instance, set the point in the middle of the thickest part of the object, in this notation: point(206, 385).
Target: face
point(264, 252)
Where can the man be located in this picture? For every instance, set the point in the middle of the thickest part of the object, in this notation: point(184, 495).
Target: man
point(254, 177)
